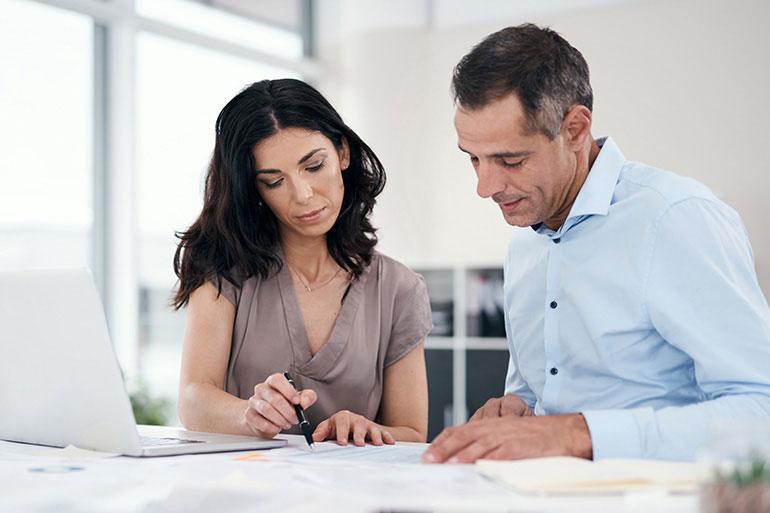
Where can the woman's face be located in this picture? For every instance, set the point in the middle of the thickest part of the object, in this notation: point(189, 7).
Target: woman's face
point(299, 177)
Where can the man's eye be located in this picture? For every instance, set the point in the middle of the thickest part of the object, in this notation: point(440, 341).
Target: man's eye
point(474, 160)
point(513, 164)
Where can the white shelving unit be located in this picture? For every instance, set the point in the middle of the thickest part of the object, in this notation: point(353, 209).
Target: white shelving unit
point(452, 290)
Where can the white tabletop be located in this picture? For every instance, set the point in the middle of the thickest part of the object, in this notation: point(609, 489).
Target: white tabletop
point(55, 480)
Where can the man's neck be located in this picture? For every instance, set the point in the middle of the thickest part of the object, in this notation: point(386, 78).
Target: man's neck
point(583, 167)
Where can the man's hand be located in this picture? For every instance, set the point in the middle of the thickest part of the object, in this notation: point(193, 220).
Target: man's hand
point(508, 404)
point(512, 438)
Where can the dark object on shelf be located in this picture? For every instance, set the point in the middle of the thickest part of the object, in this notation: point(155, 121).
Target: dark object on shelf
point(442, 313)
point(485, 376)
point(440, 395)
point(485, 303)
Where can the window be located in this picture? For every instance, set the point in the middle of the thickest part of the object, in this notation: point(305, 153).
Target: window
point(77, 81)
point(46, 162)
point(218, 23)
point(176, 111)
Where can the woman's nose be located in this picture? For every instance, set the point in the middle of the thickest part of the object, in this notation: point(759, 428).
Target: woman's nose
point(303, 192)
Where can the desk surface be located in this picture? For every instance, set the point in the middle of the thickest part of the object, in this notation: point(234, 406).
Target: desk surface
point(242, 482)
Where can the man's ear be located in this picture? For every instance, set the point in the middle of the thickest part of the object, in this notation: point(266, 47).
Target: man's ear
point(344, 154)
point(576, 126)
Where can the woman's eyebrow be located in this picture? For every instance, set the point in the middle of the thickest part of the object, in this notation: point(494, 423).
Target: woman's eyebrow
point(262, 171)
point(309, 154)
point(303, 159)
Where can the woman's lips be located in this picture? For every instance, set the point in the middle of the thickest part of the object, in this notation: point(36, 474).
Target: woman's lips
point(311, 216)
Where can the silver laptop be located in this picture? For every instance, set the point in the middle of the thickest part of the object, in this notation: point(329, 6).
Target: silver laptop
point(60, 382)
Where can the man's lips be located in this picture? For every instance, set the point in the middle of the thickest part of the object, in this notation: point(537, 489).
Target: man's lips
point(509, 205)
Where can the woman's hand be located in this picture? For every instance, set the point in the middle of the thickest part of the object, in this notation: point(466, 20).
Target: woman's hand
point(343, 424)
point(271, 408)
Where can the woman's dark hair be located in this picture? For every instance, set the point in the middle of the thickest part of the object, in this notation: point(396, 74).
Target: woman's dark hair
point(236, 235)
point(547, 74)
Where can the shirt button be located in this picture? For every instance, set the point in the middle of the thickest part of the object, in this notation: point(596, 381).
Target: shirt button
point(557, 240)
point(554, 304)
point(554, 371)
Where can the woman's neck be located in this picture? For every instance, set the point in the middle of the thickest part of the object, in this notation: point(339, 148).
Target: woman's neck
point(309, 257)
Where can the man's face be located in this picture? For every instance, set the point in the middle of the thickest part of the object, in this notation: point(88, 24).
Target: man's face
point(527, 175)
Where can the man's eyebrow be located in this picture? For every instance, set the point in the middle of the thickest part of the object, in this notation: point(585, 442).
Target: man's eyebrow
point(510, 154)
point(303, 159)
point(502, 154)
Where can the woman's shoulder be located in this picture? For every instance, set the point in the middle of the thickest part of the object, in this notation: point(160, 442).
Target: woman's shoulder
point(405, 293)
point(236, 281)
point(391, 271)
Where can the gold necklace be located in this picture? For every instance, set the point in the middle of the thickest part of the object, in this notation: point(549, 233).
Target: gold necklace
point(307, 286)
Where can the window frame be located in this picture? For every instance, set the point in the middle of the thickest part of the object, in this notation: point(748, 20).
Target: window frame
point(115, 228)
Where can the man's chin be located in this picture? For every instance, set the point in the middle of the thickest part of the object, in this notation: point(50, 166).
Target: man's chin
point(518, 221)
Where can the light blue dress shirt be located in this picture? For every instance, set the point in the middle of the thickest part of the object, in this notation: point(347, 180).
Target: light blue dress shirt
point(643, 312)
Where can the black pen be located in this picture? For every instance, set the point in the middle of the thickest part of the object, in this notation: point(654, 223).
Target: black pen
point(304, 424)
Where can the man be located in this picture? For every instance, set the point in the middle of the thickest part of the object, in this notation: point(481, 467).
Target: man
point(635, 320)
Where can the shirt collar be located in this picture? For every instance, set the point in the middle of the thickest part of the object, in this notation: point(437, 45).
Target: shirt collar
point(595, 196)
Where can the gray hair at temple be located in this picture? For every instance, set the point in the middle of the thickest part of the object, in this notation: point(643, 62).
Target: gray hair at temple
point(548, 75)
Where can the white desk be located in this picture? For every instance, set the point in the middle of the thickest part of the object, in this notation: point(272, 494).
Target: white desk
point(219, 483)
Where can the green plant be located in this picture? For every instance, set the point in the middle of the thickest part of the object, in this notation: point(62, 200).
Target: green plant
point(757, 472)
point(745, 489)
point(148, 409)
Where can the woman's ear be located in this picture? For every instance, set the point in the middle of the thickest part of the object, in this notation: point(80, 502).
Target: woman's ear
point(344, 154)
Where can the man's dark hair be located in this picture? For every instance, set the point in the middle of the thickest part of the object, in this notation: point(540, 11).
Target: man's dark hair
point(236, 235)
point(547, 74)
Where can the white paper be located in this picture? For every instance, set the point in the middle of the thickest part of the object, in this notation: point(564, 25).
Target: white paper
point(331, 451)
point(579, 476)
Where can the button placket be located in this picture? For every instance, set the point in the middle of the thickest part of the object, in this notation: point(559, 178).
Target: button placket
point(552, 350)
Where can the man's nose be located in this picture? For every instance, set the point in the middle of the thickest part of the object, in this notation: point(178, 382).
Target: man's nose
point(489, 180)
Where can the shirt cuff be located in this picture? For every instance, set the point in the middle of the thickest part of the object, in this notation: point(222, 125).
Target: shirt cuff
point(615, 433)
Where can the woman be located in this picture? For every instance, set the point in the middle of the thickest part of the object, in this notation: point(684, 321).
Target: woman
point(279, 273)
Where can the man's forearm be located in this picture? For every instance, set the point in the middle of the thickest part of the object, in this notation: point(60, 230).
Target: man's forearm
point(672, 433)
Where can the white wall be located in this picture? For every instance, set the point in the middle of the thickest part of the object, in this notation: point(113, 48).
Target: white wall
point(679, 84)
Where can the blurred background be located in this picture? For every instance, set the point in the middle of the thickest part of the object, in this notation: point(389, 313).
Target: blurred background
point(107, 113)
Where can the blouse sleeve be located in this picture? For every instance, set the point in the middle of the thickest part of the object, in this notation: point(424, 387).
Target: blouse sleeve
point(230, 291)
point(411, 319)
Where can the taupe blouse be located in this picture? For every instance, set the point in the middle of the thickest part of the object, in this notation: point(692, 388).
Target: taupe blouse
point(384, 315)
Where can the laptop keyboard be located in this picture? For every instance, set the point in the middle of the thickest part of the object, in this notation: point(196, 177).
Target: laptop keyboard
point(148, 441)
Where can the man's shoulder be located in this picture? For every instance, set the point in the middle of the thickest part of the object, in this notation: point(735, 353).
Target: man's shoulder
point(657, 189)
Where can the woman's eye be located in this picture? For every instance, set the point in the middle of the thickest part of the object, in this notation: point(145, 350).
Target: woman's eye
point(317, 167)
point(273, 185)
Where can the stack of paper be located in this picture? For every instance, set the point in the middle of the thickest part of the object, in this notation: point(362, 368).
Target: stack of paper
point(566, 475)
